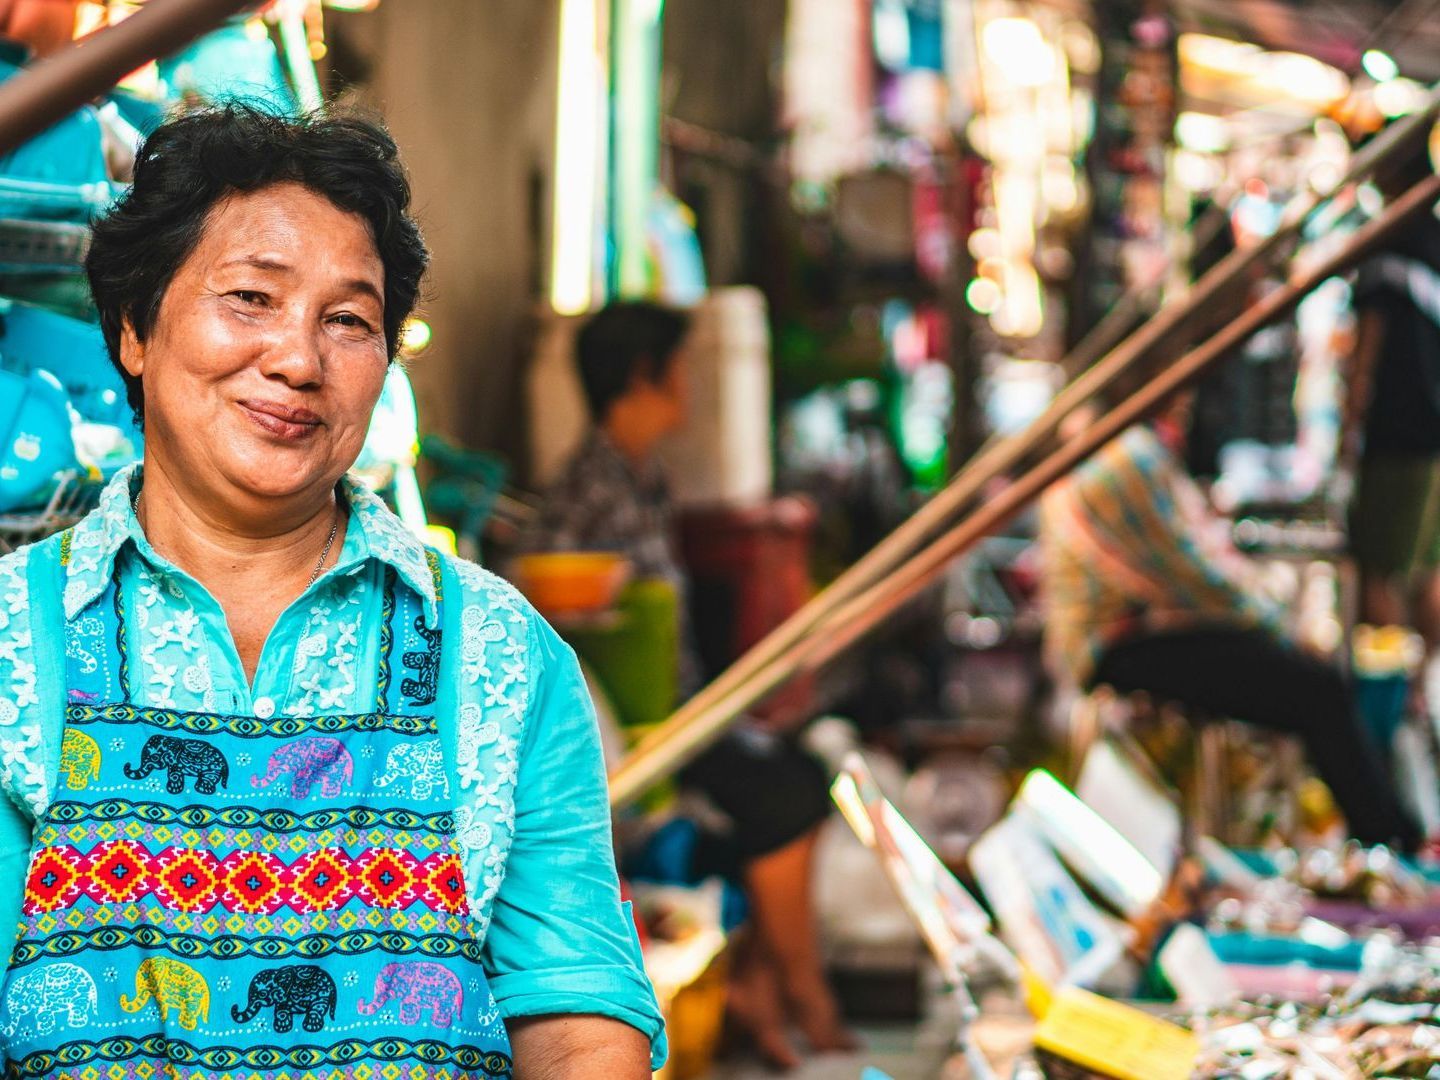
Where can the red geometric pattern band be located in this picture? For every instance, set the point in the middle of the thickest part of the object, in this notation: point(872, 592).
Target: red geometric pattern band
point(194, 880)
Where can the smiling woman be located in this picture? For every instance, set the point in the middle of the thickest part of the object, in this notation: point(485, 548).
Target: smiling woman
point(308, 726)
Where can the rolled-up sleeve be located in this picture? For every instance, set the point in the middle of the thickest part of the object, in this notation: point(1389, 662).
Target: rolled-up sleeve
point(560, 940)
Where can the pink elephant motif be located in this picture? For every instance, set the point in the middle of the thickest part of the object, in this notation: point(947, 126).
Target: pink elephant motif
point(310, 760)
point(417, 986)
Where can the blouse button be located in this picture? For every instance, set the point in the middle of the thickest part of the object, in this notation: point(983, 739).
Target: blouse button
point(264, 708)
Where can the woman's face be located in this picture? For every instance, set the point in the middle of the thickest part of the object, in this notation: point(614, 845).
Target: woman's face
point(268, 353)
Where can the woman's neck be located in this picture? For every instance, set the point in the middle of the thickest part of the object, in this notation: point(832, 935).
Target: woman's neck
point(221, 547)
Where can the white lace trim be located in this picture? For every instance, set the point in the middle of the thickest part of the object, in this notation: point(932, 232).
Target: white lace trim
point(22, 763)
point(495, 683)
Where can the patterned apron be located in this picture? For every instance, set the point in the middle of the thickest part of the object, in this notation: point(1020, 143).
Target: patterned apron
point(225, 897)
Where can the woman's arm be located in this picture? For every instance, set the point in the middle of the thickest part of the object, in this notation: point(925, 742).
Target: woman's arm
point(561, 951)
point(565, 1047)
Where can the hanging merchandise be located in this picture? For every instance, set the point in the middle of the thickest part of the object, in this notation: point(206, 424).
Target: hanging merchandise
point(675, 250)
point(635, 140)
point(34, 339)
point(237, 61)
point(1134, 130)
point(59, 175)
point(103, 436)
point(35, 440)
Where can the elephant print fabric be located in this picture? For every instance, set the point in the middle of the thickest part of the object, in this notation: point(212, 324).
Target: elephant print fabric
point(306, 916)
point(316, 760)
point(181, 759)
point(52, 997)
point(302, 990)
point(422, 990)
point(79, 759)
point(423, 765)
point(170, 985)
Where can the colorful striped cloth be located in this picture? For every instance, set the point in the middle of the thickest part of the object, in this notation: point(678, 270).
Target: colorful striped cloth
point(1131, 546)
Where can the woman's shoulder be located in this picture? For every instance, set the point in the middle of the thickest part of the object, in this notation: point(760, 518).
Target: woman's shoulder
point(15, 604)
point(489, 610)
point(25, 657)
point(484, 591)
point(15, 572)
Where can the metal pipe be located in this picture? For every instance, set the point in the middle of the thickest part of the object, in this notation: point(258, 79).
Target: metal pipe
point(675, 743)
point(50, 89)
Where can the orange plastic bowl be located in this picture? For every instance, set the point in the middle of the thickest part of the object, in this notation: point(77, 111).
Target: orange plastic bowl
point(571, 582)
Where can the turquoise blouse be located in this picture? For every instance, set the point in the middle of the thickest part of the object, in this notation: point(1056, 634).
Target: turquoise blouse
point(532, 813)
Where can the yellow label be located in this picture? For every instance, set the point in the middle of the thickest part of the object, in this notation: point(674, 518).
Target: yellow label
point(1114, 1039)
point(1038, 993)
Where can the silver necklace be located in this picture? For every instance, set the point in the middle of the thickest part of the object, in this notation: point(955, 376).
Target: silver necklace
point(324, 552)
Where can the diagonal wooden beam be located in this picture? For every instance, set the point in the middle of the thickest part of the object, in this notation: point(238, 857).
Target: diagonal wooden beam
point(52, 88)
point(842, 624)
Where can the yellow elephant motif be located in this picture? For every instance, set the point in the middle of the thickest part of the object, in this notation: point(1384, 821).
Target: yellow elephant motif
point(79, 759)
point(173, 985)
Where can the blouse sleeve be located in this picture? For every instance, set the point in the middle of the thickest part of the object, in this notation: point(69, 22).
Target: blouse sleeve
point(560, 940)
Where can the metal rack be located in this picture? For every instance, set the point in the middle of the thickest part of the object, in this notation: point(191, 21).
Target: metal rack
point(37, 247)
point(75, 495)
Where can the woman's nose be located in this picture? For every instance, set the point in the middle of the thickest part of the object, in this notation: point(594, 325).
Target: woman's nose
point(295, 355)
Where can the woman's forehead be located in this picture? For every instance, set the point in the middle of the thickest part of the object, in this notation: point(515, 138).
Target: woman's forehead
point(287, 226)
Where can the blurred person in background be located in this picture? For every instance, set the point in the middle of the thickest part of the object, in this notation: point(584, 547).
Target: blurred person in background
point(1143, 592)
point(768, 795)
point(1392, 422)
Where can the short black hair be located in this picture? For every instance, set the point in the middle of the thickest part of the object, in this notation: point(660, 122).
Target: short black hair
point(624, 339)
point(191, 163)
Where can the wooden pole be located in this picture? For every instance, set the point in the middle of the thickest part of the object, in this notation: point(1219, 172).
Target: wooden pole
point(1005, 454)
point(50, 89)
point(841, 626)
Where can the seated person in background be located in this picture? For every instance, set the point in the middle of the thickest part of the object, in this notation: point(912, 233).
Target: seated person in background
point(1143, 593)
point(1393, 405)
point(612, 496)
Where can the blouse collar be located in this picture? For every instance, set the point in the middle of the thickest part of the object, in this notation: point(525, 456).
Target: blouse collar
point(375, 532)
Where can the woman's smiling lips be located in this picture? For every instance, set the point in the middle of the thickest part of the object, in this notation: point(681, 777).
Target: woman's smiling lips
point(282, 421)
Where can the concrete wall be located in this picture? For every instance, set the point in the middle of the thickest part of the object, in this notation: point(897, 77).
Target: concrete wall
point(468, 89)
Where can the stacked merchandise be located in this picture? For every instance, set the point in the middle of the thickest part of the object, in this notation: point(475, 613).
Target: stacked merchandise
point(1145, 956)
point(65, 423)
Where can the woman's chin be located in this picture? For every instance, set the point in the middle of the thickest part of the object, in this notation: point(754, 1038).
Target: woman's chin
point(282, 476)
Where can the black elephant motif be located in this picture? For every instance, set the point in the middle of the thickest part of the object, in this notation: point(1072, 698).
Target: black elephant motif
point(182, 758)
point(421, 690)
point(302, 989)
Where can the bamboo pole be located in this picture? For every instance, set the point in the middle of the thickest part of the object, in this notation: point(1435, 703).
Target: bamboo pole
point(1003, 455)
point(656, 757)
point(50, 89)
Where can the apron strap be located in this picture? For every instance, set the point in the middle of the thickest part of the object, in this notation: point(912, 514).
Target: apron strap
point(122, 644)
point(45, 572)
point(387, 643)
point(447, 702)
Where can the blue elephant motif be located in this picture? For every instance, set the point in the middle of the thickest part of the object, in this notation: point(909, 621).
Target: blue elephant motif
point(48, 995)
point(423, 763)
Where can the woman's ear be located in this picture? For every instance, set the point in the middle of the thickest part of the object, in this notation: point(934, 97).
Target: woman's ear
point(132, 349)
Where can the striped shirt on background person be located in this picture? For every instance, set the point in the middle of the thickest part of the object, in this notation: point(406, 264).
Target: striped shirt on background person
point(1130, 547)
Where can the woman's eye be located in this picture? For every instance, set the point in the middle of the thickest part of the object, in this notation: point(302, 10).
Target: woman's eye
point(249, 296)
point(345, 318)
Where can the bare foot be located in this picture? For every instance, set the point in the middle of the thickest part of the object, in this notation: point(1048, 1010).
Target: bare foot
point(816, 1013)
point(756, 1011)
point(819, 1020)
